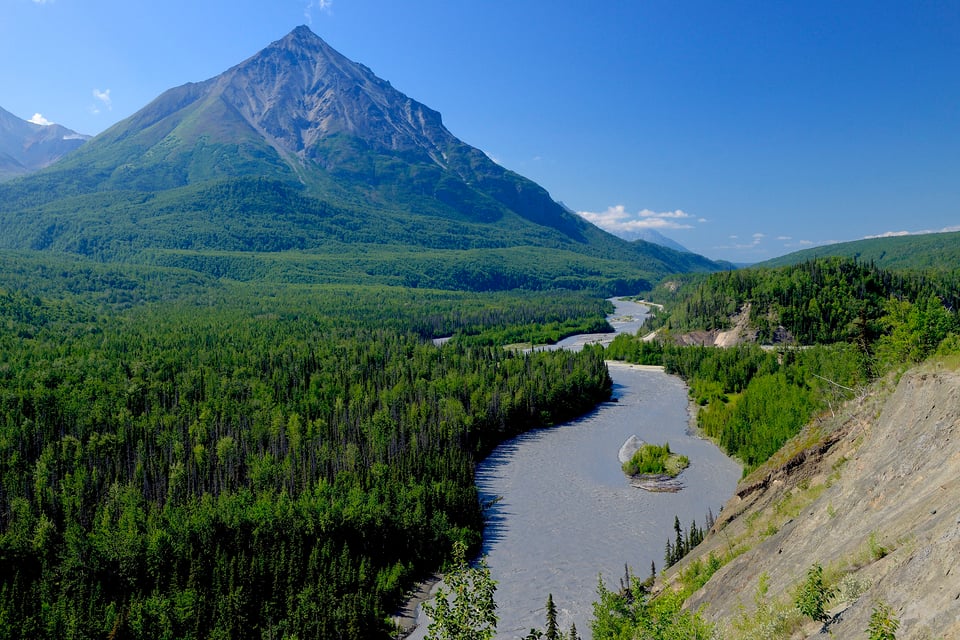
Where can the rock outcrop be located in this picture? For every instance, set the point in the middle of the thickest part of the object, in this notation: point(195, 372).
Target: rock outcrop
point(870, 494)
point(630, 447)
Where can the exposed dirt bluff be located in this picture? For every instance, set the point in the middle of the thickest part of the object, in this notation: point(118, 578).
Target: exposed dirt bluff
point(741, 331)
point(872, 494)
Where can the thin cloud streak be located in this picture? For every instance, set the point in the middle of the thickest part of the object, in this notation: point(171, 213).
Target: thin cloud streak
point(894, 234)
point(754, 243)
point(321, 5)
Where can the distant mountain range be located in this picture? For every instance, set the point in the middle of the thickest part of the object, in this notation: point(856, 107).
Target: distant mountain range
point(654, 236)
point(26, 147)
point(299, 148)
point(647, 235)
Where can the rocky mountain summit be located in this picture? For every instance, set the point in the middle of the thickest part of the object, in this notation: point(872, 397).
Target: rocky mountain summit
point(295, 94)
point(299, 90)
point(26, 146)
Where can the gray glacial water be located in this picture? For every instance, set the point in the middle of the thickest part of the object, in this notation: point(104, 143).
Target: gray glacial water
point(566, 513)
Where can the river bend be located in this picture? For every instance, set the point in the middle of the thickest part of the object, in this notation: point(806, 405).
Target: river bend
point(565, 513)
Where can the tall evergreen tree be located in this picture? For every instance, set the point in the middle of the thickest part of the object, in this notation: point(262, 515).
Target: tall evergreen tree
point(553, 631)
point(678, 547)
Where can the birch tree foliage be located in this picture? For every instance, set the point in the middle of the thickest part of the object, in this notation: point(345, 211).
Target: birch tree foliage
point(464, 609)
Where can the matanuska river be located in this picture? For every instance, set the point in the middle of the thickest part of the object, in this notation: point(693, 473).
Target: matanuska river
point(566, 515)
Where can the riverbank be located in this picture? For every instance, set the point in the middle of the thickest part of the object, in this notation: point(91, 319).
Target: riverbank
point(636, 367)
point(406, 618)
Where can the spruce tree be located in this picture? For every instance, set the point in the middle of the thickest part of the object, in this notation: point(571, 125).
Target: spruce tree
point(678, 549)
point(553, 631)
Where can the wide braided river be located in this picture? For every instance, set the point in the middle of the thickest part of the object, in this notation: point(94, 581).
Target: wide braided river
point(564, 513)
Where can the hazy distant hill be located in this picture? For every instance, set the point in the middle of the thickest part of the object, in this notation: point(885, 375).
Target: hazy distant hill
point(26, 147)
point(299, 148)
point(654, 236)
point(940, 251)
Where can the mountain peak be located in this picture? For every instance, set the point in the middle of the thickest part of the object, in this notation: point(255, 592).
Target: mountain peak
point(299, 92)
point(305, 36)
point(295, 147)
point(302, 38)
point(303, 32)
point(26, 146)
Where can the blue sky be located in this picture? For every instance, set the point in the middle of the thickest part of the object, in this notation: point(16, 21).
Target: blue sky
point(742, 130)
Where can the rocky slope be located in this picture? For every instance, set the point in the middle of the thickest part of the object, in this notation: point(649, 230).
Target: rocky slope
point(299, 90)
point(872, 495)
point(740, 332)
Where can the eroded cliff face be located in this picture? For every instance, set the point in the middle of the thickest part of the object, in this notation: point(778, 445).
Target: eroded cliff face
point(873, 495)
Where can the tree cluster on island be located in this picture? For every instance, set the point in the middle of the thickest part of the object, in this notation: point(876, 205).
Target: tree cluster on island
point(655, 460)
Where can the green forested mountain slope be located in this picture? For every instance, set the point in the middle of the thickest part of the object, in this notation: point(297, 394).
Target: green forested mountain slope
point(936, 251)
point(820, 301)
point(298, 148)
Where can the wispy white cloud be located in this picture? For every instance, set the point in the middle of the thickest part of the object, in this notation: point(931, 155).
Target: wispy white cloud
point(39, 119)
point(617, 219)
point(42, 1)
point(893, 234)
point(755, 240)
point(889, 234)
point(795, 245)
point(320, 5)
point(104, 98)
